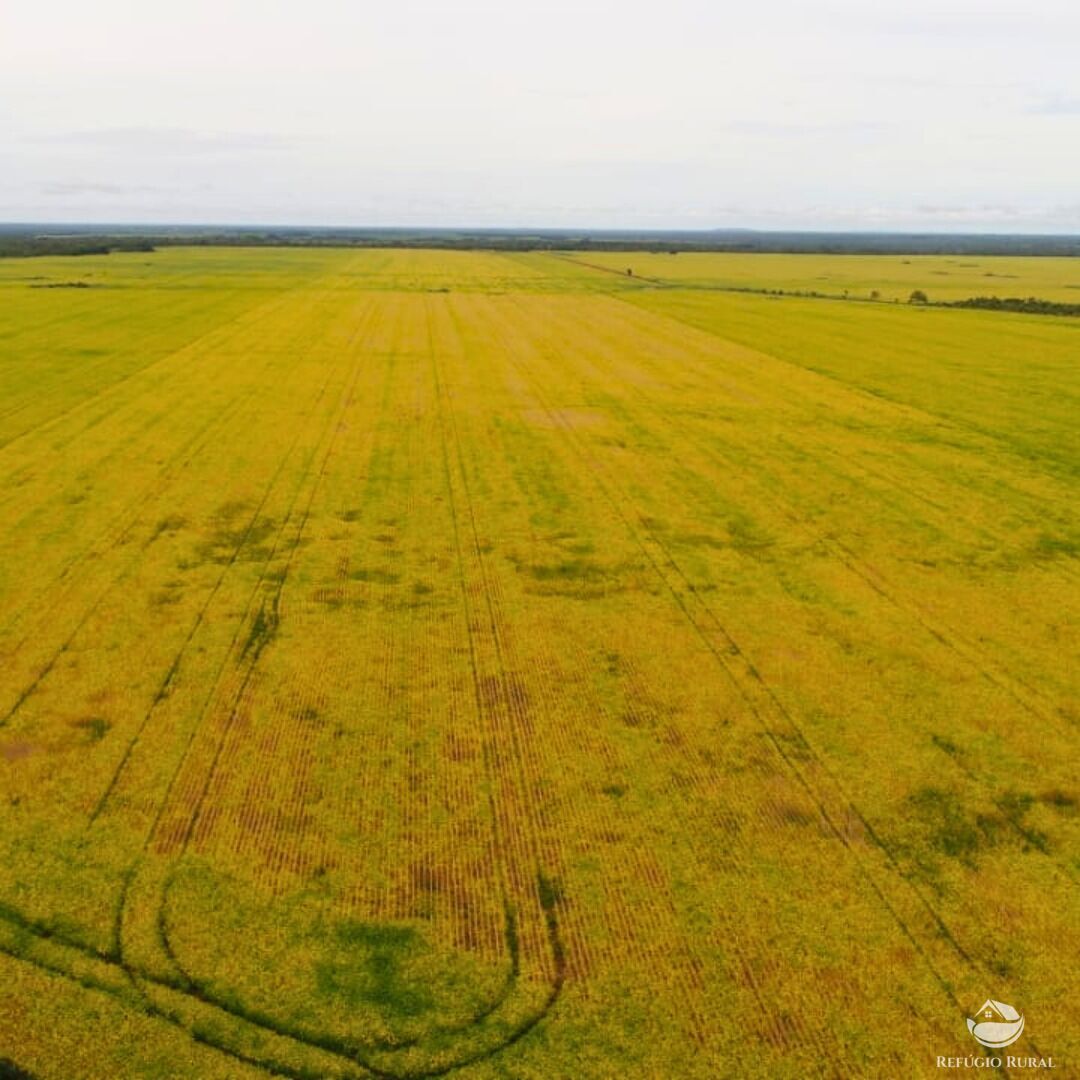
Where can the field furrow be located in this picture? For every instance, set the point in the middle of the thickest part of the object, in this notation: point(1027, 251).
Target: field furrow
point(422, 663)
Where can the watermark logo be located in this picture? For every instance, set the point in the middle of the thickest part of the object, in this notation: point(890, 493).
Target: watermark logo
point(996, 1025)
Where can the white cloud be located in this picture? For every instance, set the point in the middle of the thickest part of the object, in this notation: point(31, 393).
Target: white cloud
point(1056, 105)
point(540, 112)
point(172, 141)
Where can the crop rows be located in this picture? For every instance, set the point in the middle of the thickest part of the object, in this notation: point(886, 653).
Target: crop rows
point(482, 664)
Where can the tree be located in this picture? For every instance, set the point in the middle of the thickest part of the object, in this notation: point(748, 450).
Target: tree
point(918, 297)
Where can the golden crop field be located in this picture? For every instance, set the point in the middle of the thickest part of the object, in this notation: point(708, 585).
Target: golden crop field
point(419, 663)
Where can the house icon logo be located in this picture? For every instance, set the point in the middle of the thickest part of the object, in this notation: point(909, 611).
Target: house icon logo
point(996, 1025)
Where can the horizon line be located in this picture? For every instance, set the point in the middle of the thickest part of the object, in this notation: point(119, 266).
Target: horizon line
point(534, 230)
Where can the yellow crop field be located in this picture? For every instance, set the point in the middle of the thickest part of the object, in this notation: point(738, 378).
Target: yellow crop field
point(421, 663)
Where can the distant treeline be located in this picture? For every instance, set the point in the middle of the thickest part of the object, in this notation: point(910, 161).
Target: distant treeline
point(22, 240)
point(1030, 305)
point(19, 246)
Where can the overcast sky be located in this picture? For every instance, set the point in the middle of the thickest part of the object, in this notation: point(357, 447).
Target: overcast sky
point(603, 113)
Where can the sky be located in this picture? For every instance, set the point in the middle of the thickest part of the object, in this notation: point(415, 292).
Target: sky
point(859, 114)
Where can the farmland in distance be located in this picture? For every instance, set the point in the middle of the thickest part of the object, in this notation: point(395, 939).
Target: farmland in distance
point(857, 276)
point(500, 665)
